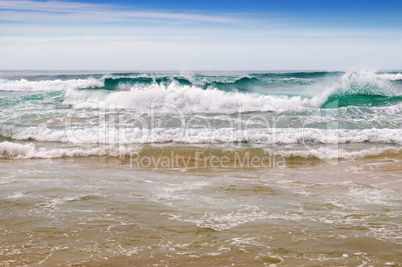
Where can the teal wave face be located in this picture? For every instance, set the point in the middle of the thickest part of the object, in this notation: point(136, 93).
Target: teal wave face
point(354, 90)
point(119, 83)
point(244, 84)
point(239, 82)
point(13, 99)
point(361, 100)
point(302, 75)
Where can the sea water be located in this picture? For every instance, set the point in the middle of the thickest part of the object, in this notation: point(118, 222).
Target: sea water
point(200, 168)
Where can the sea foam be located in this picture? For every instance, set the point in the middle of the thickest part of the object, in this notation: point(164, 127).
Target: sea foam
point(48, 85)
point(11, 150)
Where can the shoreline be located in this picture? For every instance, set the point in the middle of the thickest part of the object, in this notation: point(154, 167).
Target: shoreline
point(238, 161)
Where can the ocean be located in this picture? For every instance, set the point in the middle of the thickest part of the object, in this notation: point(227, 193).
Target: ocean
point(279, 168)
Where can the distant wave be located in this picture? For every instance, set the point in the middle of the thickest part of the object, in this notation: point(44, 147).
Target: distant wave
point(244, 84)
point(24, 85)
point(351, 89)
point(364, 89)
point(125, 83)
point(215, 94)
point(362, 100)
point(187, 99)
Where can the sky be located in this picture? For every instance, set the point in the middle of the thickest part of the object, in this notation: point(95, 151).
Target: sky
point(200, 35)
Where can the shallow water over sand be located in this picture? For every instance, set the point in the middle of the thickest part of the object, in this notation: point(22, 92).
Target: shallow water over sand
point(99, 211)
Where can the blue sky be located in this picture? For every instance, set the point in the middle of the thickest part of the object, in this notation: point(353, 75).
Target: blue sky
point(200, 35)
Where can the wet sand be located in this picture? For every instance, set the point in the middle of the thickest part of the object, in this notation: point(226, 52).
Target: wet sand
point(104, 212)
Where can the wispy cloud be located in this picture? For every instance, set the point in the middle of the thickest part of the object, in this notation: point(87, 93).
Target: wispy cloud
point(71, 35)
point(50, 11)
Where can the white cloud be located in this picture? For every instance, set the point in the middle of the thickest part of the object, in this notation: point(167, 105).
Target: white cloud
point(33, 11)
point(68, 35)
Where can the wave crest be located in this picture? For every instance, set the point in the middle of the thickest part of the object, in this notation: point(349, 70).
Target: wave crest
point(48, 85)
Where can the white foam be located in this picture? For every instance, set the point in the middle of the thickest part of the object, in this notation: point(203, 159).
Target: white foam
point(327, 153)
point(14, 150)
point(30, 151)
point(48, 85)
point(361, 82)
point(367, 82)
point(136, 135)
point(38, 133)
point(390, 77)
point(17, 195)
point(220, 222)
point(188, 99)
